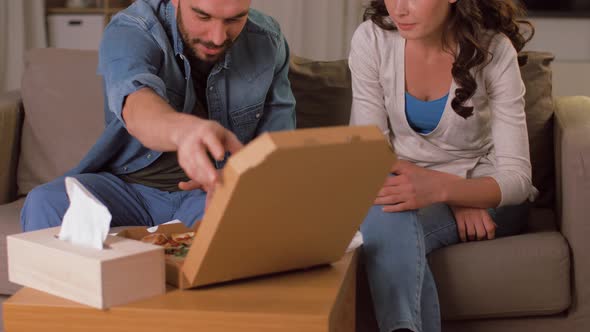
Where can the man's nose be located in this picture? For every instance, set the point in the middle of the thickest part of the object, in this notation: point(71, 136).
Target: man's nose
point(218, 33)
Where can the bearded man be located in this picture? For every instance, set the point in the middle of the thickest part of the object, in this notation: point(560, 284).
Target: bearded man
point(186, 83)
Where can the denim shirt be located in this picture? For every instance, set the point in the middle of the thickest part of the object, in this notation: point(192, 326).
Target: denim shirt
point(248, 91)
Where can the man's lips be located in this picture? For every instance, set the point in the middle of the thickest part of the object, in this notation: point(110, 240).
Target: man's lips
point(210, 51)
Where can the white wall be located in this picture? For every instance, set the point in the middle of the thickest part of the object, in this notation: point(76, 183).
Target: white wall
point(316, 29)
point(21, 28)
point(569, 40)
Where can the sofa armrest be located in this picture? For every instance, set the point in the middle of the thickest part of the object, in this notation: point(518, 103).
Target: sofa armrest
point(11, 117)
point(572, 162)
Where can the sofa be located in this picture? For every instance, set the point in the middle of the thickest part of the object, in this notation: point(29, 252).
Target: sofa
point(536, 281)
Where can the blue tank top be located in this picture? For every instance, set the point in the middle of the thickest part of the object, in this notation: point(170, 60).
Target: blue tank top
point(424, 116)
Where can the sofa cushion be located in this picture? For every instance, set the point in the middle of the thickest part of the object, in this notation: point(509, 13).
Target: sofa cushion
point(322, 90)
point(520, 275)
point(9, 224)
point(536, 74)
point(63, 102)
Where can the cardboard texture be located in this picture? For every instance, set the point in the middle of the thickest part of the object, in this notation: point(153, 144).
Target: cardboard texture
point(125, 271)
point(288, 200)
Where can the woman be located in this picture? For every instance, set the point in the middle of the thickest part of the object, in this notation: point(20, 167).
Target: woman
point(441, 79)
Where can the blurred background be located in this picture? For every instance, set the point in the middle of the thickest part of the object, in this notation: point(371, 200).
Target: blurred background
point(316, 29)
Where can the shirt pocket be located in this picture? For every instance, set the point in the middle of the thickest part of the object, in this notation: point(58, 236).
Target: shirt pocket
point(245, 121)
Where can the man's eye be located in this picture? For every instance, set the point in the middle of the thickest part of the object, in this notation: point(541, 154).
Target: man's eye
point(204, 18)
point(232, 20)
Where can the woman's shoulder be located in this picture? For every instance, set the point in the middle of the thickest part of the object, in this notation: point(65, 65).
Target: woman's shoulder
point(501, 55)
point(370, 34)
point(501, 48)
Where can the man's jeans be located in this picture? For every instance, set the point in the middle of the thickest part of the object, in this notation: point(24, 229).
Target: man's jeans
point(129, 204)
point(394, 253)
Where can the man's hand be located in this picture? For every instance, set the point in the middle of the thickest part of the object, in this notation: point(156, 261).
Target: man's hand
point(474, 224)
point(193, 185)
point(413, 187)
point(194, 141)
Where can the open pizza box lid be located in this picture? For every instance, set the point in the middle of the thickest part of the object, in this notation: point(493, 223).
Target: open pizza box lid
point(288, 200)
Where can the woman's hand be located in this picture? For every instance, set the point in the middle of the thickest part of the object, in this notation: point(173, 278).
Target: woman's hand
point(413, 187)
point(474, 224)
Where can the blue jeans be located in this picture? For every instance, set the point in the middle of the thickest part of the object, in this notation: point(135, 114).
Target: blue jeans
point(394, 253)
point(129, 204)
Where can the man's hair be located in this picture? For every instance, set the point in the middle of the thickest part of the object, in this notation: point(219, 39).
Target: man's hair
point(473, 24)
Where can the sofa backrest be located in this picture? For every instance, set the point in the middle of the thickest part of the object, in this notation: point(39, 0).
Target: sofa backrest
point(63, 103)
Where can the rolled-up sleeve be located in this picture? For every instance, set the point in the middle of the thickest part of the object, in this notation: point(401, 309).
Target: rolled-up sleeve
point(508, 124)
point(129, 60)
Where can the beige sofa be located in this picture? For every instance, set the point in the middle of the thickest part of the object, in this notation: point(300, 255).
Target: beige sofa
point(538, 281)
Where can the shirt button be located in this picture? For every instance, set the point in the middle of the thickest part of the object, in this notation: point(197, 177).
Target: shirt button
point(210, 88)
point(149, 156)
point(257, 115)
point(125, 168)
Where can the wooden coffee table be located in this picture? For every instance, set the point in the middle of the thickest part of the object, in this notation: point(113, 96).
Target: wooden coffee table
point(318, 299)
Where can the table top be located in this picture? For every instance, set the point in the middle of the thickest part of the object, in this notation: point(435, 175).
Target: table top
point(315, 299)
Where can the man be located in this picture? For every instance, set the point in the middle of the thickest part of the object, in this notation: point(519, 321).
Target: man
point(186, 81)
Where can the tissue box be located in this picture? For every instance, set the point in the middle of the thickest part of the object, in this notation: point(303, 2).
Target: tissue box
point(124, 271)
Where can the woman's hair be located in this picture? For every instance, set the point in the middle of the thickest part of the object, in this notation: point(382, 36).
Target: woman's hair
point(470, 24)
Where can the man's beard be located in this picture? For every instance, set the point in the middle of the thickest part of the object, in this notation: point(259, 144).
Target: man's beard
point(191, 44)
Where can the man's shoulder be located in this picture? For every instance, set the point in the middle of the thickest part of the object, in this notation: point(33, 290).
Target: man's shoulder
point(262, 23)
point(141, 14)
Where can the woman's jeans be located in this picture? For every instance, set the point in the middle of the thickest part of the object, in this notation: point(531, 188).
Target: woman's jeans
point(394, 253)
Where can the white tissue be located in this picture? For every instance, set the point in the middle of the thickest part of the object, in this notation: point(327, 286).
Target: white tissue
point(356, 242)
point(155, 228)
point(87, 221)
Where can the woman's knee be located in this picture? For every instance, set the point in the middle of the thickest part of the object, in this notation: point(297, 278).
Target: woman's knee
point(383, 227)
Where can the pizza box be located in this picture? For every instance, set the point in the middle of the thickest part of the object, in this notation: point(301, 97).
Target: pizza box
point(173, 264)
point(288, 200)
point(124, 271)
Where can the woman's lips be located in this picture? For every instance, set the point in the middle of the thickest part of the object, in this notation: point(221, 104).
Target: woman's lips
point(406, 26)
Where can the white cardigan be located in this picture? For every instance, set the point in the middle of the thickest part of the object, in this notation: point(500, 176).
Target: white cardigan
point(492, 142)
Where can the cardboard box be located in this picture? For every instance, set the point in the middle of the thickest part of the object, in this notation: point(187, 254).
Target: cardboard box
point(125, 271)
point(288, 200)
point(173, 265)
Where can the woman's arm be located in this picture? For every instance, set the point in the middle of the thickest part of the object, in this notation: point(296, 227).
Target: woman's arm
point(414, 187)
point(511, 154)
point(368, 101)
point(511, 183)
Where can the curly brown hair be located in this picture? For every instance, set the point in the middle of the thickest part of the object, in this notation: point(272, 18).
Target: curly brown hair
point(470, 23)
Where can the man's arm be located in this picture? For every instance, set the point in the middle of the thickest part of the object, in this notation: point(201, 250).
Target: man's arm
point(279, 107)
point(159, 127)
point(129, 61)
